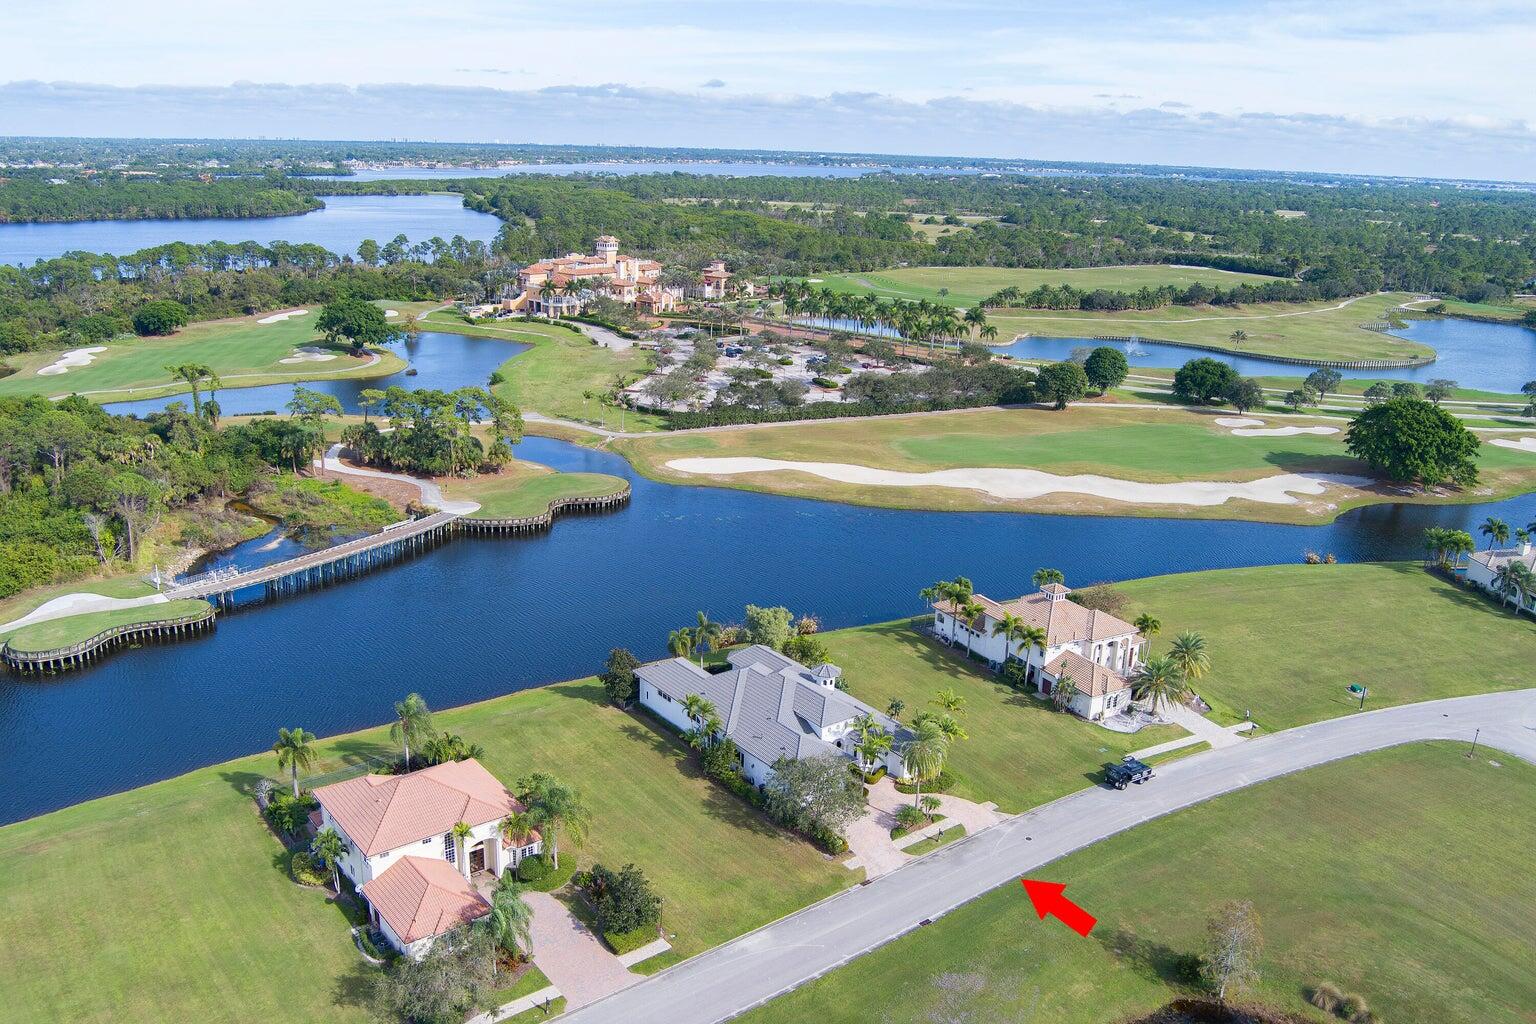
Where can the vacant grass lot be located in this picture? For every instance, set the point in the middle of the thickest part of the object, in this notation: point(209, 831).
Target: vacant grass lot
point(1305, 330)
point(242, 351)
point(1286, 640)
point(968, 285)
point(554, 375)
point(170, 902)
point(72, 629)
point(1020, 754)
point(1401, 876)
point(527, 488)
point(1154, 445)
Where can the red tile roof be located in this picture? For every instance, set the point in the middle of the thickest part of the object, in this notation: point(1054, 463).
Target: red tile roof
point(386, 812)
point(420, 897)
point(1063, 619)
point(1093, 679)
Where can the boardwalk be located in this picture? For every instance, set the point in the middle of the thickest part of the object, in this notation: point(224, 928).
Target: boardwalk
point(317, 567)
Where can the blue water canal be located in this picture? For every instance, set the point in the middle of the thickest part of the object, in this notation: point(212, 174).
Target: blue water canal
point(479, 617)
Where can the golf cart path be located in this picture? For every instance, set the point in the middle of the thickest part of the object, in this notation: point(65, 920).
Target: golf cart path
point(779, 957)
point(78, 604)
point(431, 493)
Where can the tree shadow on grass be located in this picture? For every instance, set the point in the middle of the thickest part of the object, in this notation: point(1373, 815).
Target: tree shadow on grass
point(242, 782)
point(357, 986)
point(1151, 959)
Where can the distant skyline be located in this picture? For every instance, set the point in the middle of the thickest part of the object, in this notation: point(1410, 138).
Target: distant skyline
point(1408, 88)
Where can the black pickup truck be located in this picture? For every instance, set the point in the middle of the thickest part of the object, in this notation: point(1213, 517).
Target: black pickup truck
point(1126, 772)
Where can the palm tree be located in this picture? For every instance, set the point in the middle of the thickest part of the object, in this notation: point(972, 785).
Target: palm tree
point(680, 642)
point(558, 808)
point(461, 832)
point(948, 700)
point(1159, 680)
point(412, 724)
point(923, 756)
point(947, 724)
point(1147, 625)
point(1238, 337)
point(1496, 530)
point(294, 749)
point(705, 714)
point(510, 921)
point(707, 632)
point(971, 612)
point(330, 848)
point(873, 745)
point(194, 374)
point(1045, 577)
point(895, 707)
point(1011, 628)
point(1189, 655)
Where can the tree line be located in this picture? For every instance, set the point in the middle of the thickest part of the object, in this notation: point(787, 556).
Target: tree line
point(28, 199)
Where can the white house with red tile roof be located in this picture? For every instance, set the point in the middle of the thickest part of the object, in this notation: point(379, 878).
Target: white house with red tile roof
point(392, 825)
point(1097, 651)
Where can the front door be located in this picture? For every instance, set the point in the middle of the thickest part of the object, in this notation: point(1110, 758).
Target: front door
point(477, 859)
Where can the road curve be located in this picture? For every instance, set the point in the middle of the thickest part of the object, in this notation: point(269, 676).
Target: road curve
point(781, 956)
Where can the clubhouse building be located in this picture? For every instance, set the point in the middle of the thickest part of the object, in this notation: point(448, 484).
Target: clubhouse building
point(1096, 651)
point(563, 285)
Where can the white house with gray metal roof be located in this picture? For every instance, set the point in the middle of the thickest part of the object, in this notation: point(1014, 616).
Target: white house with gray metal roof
point(771, 706)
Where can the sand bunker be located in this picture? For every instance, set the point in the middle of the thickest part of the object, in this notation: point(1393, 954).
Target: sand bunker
point(391, 312)
point(277, 318)
point(1524, 444)
point(1022, 484)
point(1281, 431)
point(309, 354)
point(1244, 427)
point(71, 359)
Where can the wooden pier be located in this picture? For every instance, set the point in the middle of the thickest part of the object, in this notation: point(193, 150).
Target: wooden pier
point(62, 659)
point(307, 572)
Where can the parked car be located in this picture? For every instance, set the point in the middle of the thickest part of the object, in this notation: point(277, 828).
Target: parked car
point(1128, 771)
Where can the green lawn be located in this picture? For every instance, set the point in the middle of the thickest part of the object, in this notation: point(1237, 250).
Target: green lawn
point(527, 488)
point(1303, 330)
point(1159, 445)
point(72, 629)
point(171, 902)
point(17, 605)
point(552, 376)
point(1401, 876)
point(968, 285)
point(243, 352)
point(1286, 640)
point(1020, 754)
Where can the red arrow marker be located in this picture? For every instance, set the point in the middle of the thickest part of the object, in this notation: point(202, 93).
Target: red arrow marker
point(1049, 899)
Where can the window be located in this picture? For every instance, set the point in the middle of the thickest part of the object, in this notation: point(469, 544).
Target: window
point(450, 854)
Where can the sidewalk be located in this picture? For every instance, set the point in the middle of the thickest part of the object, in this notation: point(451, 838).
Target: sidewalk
point(1200, 729)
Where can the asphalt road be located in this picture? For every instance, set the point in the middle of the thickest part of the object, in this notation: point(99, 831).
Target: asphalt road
point(781, 956)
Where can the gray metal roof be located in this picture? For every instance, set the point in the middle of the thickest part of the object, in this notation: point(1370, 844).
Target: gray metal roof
point(771, 704)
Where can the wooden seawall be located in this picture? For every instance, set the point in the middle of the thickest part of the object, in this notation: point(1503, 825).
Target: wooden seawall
point(62, 659)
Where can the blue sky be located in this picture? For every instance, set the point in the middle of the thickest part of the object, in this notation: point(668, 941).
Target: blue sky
point(1406, 87)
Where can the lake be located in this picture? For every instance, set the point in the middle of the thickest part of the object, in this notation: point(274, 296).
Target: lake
point(1483, 356)
point(479, 617)
point(345, 221)
point(442, 361)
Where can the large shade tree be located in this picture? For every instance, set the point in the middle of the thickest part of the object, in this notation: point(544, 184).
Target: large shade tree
point(1411, 441)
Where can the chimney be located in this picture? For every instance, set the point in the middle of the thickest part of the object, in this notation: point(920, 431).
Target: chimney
point(826, 674)
point(1055, 591)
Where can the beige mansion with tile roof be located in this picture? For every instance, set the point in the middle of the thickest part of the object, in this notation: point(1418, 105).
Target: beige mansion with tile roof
point(400, 850)
point(1096, 650)
point(561, 286)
